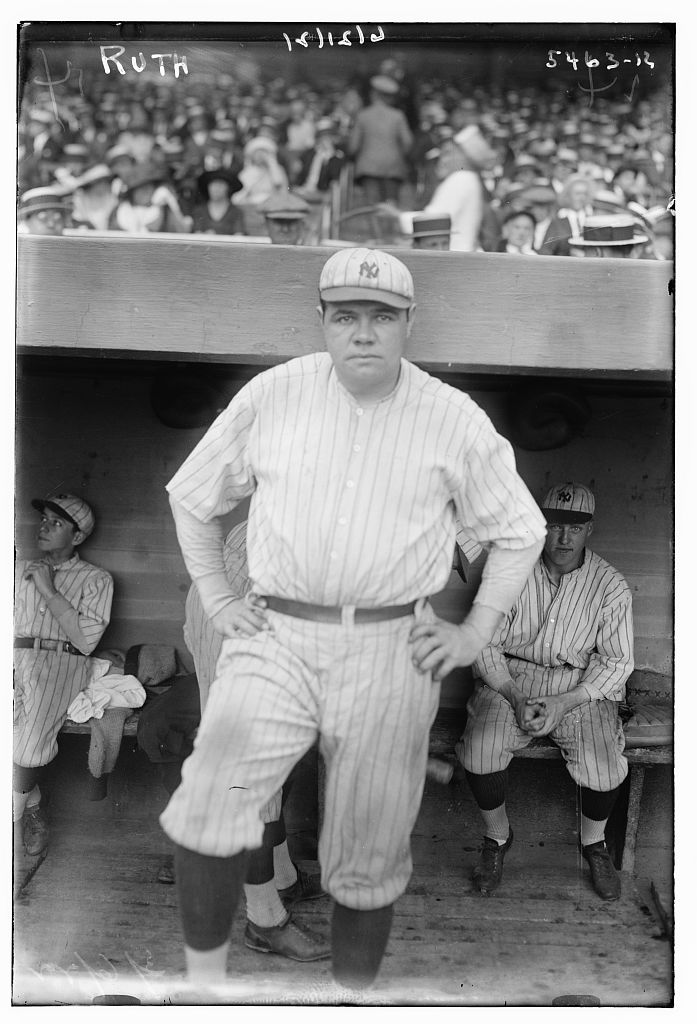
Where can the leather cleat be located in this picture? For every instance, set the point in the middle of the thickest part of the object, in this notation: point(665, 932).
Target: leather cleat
point(35, 830)
point(287, 939)
point(606, 881)
point(489, 871)
point(305, 887)
point(165, 874)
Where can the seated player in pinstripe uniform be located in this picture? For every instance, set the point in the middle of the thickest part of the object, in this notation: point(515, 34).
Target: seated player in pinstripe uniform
point(557, 667)
point(166, 730)
point(358, 465)
point(62, 607)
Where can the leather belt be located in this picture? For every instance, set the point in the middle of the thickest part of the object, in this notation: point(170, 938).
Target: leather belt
point(324, 613)
point(46, 645)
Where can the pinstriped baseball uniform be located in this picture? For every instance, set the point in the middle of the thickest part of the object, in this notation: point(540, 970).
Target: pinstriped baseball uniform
point(555, 638)
point(350, 506)
point(46, 682)
point(204, 642)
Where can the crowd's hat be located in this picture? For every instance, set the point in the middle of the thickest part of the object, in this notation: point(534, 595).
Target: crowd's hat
point(74, 150)
point(220, 174)
point(117, 153)
point(144, 174)
point(69, 507)
point(259, 142)
point(366, 274)
point(586, 139)
point(287, 206)
point(539, 194)
point(474, 146)
point(36, 199)
point(517, 212)
point(384, 84)
point(100, 172)
point(566, 156)
point(568, 503)
point(609, 229)
point(324, 124)
point(40, 116)
point(172, 147)
point(425, 225)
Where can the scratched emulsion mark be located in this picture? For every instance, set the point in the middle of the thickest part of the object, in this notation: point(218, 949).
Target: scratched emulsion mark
point(51, 82)
point(611, 63)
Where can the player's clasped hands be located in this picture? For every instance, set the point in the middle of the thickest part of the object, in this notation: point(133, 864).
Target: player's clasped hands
point(42, 574)
point(440, 646)
point(242, 617)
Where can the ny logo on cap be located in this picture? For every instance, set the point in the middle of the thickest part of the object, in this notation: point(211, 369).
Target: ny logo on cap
point(368, 269)
point(564, 496)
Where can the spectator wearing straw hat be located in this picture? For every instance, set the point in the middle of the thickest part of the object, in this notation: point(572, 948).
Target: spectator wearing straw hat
point(431, 232)
point(380, 143)
point(518, 231)
point(614, 236)
point(216, 214)
point(42, 211)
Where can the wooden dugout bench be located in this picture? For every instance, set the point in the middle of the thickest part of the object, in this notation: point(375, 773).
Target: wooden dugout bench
point(648, 727)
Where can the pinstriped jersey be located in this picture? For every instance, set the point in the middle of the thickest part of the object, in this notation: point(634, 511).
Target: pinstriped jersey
point(88, 589)
point(351, 504)
point(556, 637)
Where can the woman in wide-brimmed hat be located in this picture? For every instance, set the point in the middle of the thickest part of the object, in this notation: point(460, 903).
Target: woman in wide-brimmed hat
point(262, 175)
point(216, 214)
point(149, 204)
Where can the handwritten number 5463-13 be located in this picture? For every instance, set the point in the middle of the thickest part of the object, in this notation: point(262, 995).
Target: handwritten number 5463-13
point(593, 62)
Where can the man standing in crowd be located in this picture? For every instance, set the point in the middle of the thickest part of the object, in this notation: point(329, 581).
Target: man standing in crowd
point(166, 730)
point(379, 144)
point(557, 667)
point(358, 465)
point(62, 607)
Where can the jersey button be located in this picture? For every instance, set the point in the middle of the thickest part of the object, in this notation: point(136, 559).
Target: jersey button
point(333, 555)
point(349, 483)
point(359, 412)
point(342, 521)
point(356, 447)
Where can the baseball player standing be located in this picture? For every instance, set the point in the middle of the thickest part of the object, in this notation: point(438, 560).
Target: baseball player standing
point(62, 607)
point(358, 464)
point(557, 666)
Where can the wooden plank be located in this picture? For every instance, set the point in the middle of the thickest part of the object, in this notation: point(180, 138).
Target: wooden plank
point(479, 312)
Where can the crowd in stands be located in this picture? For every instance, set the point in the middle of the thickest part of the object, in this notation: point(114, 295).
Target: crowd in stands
point(516, 170)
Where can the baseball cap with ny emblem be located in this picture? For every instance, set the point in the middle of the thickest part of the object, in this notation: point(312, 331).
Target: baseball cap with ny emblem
point(369, 275)
point(568, 503)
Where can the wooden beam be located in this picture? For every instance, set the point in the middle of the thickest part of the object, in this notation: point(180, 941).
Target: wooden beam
point(211, 300)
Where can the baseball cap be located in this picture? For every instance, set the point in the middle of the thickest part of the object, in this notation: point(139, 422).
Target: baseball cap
point(285, 207)
point(568, 503)
point(368, 275)
point(69, 507)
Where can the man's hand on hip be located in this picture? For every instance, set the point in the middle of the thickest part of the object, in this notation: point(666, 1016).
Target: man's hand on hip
point(440, 646)
point(242, 617)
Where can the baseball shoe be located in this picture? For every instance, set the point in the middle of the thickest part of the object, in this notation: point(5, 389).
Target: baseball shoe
point(606, 881)
point(287, 939)
point(488, 872)
point(35, 830)
point(165, 874)
point(305, 887)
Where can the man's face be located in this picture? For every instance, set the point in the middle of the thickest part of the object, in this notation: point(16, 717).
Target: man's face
point(55, 533)
point(440, 242)
point(519, 230)
point(286, 232)
point(564, 545)
point(46, 222)
point(366, 341)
